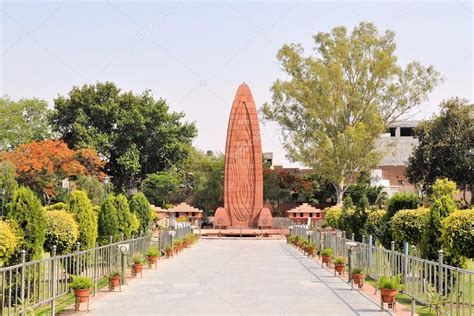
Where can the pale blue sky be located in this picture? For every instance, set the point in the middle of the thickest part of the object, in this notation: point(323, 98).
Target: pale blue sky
point(195, 54)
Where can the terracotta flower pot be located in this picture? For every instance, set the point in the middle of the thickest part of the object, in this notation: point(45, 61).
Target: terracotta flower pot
point(114, 282)
point(82, 294)
point(358, 279)
point(152, 259)
point(169, 253)
point(326, 259)
point(339, 267)
point(388, 295)
point(137, 267)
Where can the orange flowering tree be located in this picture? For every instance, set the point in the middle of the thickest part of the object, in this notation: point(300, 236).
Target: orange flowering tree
point(44, 164)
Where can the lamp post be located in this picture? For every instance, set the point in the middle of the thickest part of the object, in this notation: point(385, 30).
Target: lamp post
point(351, 246)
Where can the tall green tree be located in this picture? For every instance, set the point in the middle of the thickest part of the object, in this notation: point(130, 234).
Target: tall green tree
point(446, 147)
point(8, 184)
point(81, 206)
point(124, 216)
point(205, 180)
point(108, 221)
point(26, 210)
point(23, 121)
point(336, 101)
point(140, 206)
point(160, 187)
point(136, 133)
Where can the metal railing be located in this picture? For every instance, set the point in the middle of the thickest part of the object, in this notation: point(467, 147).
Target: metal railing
point(28, 285)
point(165, 238)
point(422, 279)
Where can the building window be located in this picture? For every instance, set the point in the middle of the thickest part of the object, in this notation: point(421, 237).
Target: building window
point(318, 215)
point(392, 131)
point(193, 214)
point(310, 214)
point(406, 131)
point(301, 214)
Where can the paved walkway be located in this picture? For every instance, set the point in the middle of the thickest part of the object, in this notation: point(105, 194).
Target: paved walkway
point(244, 277)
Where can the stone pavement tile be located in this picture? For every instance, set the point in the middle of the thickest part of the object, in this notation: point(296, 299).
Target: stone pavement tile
point(237, 277)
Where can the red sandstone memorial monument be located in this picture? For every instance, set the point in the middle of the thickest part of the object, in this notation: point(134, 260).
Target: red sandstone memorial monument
point(243, 170)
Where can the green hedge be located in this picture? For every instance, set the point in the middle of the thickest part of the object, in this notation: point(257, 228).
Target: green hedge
point(401, 201)
point(458, 233)
point(61, 231)
point(141, 207)
point(407, 225)
point(81, 207)
point(108, 221)
point(332, 215)
point(26, 210)
point(124, 216)
point(376, 223)
point(9, 242)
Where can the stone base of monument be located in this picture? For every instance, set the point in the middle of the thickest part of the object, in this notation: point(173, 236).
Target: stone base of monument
point(223, 225)
point(237, 233)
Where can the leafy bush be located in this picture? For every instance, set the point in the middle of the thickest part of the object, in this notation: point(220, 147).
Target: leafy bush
point(81, 283)
point(124, 216)
point(346, 218)
point(458, 233)
point(134, 224)
point(153, 251)
point(8, 242)
point(389, 282)
point(26, 210)
point(108, 221)
point(332, 215)
point(61, 231)
point(407, 225)
point(401, 201)
point(327, 252)
point(139, 205)
point(56, 207)
point(81, 207)
point(376, 223)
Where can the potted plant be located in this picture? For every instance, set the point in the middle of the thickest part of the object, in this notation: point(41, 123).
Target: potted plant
point(81, 287)
point(114, 280)
point(311, 250)
point(389, 286)
point(340, 264)
point(169, 251)
point(137, 263)
point(358, 276)
point(153, 253)
point(326, 255)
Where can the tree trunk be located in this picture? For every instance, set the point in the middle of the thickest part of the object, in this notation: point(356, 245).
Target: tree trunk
point(340, 195)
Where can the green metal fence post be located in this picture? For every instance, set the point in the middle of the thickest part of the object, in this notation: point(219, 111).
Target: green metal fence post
point(440, 271)
point(95, 267)
point(22, 286)
point(53, 280)
point(78, 259)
